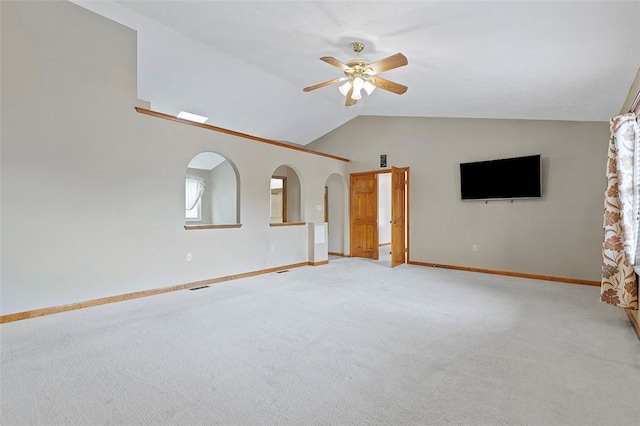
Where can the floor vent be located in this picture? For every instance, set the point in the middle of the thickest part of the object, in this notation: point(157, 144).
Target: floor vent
point(199, 288)
point(282, 272)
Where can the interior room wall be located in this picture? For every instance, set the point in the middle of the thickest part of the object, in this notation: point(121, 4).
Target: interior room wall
point(558, 235)
point(277, 197)
point(294, 197)
point(384, 208)
point(293, 191)
point(336, 194)
point(223, 194)
point(74, 74)
point(166, 56)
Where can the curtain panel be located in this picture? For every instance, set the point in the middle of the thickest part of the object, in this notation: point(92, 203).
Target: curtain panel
point(194, 188)
point(619, 285)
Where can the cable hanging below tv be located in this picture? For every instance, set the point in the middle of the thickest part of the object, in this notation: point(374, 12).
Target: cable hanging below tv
point(502, 179)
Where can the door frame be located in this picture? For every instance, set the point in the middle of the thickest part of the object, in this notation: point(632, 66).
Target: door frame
point(407, 203)
point(398, 212)
point(366, 245)
point(284, 196)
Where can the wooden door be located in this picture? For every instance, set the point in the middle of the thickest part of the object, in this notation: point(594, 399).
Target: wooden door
point(364, 215)
point(398, 194)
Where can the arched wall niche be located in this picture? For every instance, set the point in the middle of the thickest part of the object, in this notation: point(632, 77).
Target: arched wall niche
point(337, 213)
point(212, 190)
point(286, 195)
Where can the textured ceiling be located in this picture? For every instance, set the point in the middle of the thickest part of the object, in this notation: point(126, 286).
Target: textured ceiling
point(244, 63)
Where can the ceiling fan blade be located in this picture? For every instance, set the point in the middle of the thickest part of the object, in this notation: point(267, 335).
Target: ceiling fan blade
point(390, 86)
point(388, 63)
point(336, 63)
point(349, 101)
point(323, 84)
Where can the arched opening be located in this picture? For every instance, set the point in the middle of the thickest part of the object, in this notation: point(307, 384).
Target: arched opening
point(212, 195)
point(336, 212)
point(285, 196)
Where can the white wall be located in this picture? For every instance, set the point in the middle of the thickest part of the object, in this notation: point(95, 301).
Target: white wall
point(558, 235)
point(166, 56)
point(223, 194)
point(72, 141)
point(336, 215)
point(277, 198)
point(384, 208)
point(293, 192)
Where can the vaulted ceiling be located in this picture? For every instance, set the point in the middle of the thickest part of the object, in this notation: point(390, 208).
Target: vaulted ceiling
point(243, 64)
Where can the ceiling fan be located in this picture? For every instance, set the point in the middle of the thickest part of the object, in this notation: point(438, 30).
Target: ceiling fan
point(361, 75)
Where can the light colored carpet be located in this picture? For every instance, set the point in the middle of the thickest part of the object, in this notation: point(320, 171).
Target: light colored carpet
point(352, 342)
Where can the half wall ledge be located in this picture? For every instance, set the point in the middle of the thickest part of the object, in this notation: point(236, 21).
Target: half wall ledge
point(194, 227)
point(234, 133)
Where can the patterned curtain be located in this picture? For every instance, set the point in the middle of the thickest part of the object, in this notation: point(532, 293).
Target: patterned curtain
point(621, 214)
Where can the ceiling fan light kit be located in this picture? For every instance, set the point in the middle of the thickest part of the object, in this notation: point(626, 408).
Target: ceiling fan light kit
point(361, 75)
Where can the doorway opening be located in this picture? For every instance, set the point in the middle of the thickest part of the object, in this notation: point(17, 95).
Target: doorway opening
point(377, 197)
point(336, 213)
point(278, 199)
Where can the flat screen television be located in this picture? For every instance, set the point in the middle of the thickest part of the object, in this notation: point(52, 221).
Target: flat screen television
point(506, 178)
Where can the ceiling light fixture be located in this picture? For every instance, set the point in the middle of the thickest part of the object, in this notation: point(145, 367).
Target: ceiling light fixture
point(368, 87)
point(192, 117)
point(361, 75)
point(358, 84)
point(344, 89)
point(357, 75)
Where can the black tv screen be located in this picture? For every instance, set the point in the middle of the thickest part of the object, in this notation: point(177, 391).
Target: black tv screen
point(505, 178)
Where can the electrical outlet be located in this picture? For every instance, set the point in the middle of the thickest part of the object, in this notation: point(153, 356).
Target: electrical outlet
point(273, 248)
point(474, 247)
point(188, 257)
